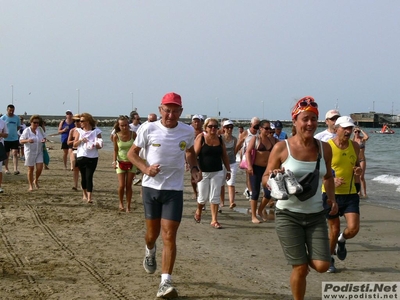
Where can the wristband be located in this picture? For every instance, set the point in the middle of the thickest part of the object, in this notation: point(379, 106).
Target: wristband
point(229, 172)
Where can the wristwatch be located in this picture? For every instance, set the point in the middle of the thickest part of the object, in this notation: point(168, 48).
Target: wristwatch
point(195, 167)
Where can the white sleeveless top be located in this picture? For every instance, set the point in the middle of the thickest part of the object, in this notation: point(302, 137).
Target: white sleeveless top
point(300, 168)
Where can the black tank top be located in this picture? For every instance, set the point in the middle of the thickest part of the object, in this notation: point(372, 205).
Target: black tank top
point(210, 157)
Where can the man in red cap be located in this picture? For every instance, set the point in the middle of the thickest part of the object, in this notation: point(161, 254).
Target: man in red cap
point(168, 143)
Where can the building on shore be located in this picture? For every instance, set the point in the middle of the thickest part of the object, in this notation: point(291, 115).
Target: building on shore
point(374, 119)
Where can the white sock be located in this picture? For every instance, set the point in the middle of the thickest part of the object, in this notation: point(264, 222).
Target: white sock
point(165, 277)
point(150, 251)
point(341, 238)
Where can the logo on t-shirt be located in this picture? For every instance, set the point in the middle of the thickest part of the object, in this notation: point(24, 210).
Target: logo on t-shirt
point(182, 145)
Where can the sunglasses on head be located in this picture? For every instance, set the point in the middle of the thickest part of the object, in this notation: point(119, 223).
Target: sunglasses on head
point(212, 126)
point(307, 102)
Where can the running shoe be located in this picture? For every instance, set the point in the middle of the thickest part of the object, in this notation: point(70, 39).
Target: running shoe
point(277, 185)
point(332, 268)
point(292, 186)
point(166, 290)
point(149, 262)
point(341, 251)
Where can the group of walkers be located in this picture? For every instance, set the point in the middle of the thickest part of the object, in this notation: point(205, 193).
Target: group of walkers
point(307, 224)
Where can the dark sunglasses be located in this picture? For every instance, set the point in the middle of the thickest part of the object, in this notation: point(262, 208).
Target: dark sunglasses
point(76, 121)
point(256, 126)
point(334, 118)
point(357, 131)
point(229, 127)
point(35, 122)
point(266, 128)
point(213, 126)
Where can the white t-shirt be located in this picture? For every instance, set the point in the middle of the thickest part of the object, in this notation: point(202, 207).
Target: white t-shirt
point(133, 127)
point(325, 135)
point(3, 129)
point(37, 146)
point(88, 149)
point(166, 147)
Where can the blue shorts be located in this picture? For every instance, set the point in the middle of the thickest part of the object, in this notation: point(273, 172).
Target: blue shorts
point(162, 204)
point(347, 204)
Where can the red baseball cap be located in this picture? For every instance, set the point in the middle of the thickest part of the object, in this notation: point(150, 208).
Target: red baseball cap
point(172, 98)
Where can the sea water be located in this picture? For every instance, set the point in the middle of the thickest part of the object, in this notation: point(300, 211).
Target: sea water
point(382, 153)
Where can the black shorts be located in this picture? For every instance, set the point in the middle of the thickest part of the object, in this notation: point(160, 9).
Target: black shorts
point(8, 145)
point(64, 145)
point(162, 204)
point(346, 203)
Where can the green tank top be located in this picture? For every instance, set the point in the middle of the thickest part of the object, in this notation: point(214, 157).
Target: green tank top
point(123, 148)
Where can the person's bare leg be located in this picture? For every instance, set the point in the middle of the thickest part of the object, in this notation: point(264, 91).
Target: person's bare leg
point(30, 177)
point(15, 159)
point(169, 230)
point(39, 169)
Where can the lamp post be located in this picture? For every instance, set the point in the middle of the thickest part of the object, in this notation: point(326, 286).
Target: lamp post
point(12, 94)
point(78, 99)
point(132, 100)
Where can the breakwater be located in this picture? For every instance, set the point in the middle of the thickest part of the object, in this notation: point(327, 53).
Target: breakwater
point(54, 120)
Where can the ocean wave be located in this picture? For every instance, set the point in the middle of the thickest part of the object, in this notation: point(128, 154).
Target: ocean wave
point(388, 179)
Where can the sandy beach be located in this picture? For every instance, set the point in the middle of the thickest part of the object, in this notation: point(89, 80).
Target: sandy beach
point(56, 246)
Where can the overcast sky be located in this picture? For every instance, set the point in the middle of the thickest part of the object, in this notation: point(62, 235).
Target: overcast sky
point(241, 58)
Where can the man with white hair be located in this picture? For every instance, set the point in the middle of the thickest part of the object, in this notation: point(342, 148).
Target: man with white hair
point(330, 118)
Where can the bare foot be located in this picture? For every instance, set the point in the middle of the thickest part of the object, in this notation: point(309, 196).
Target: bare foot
point(30, 189)
point(255, 221)
point(121, 208)
point(263, 215)
point(36, 185)
point(90, 201)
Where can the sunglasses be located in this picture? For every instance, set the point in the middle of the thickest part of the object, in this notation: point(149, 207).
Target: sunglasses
point(266, 128)
point(256, 126)
point(229, 127)
point(357, 131)
point(76, 121)
point(334, 118)
point(308, 102)
point(213, 126)
point(82, 121)
point(35, 122)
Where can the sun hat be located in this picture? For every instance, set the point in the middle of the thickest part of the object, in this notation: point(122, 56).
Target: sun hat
point(172, 98)
point(196, 117)
point(227, 122)
point(344, 121)
point(76, 117)
point(201, 117)
point(332, 113)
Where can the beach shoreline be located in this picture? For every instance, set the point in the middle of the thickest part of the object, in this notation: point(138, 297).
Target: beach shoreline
point(56, 246)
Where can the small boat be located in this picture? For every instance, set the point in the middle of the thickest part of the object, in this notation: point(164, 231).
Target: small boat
point(390, 131)
point(385, 130)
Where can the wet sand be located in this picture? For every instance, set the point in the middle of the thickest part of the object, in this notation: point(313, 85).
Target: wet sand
point(56, 246)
